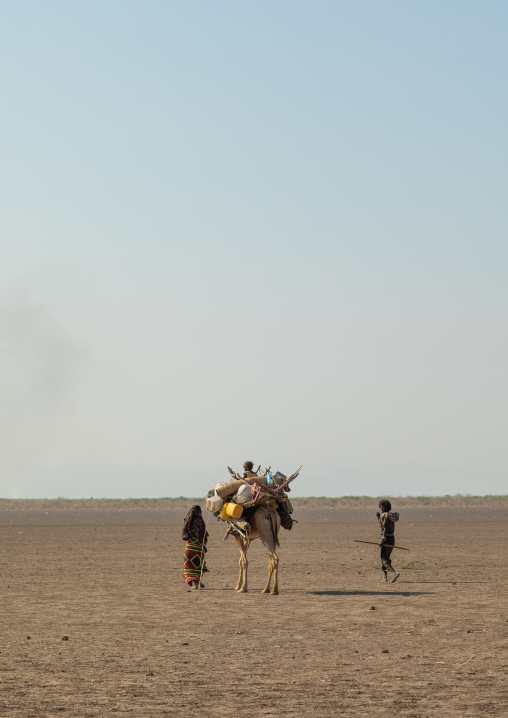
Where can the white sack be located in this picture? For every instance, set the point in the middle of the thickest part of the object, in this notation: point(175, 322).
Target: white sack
point(243, 495)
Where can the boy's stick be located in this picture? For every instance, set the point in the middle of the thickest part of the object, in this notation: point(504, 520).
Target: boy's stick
point(381, 544)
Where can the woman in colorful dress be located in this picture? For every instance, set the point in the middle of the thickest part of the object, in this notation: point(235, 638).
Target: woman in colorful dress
point(195, 535)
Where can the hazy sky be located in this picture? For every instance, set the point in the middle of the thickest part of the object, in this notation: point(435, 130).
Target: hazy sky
point(271, 231)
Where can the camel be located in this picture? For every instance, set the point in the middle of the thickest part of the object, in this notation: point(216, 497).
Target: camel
point(265, 524)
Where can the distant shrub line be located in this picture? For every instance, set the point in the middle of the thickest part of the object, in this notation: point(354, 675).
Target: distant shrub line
point(318, 502)
point(448, 500)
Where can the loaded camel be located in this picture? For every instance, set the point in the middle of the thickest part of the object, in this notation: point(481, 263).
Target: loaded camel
point(264, 524)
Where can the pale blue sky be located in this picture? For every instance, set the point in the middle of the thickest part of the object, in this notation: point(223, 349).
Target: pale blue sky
point(272, 231)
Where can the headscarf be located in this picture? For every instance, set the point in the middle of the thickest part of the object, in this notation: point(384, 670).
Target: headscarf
point(194, 525)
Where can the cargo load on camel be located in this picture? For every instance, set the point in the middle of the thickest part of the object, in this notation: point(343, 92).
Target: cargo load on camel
point(235, 502)
point(254, 506)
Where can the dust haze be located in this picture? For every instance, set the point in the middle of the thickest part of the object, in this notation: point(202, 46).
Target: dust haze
point(40, 365)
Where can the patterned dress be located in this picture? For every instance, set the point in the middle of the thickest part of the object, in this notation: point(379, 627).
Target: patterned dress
point(195, 535)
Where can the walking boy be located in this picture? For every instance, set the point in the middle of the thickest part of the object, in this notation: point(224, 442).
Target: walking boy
point(387, 520)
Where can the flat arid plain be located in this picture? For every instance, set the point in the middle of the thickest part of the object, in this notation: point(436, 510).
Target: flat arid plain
point(97, 621)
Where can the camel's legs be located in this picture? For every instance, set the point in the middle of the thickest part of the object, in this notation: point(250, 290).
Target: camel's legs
point(268, 535)
point(273, 570)
point(275, 589)
point(241, 586)
point(265, 524)
point(270, 573)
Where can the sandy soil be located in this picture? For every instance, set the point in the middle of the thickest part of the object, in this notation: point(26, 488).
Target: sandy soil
point(97, 621)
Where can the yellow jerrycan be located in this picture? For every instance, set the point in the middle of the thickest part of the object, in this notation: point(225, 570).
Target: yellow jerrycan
point(231, 511)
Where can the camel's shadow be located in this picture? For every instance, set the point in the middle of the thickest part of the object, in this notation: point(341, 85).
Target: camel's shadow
point(371, 593)
point(300, 591)
point(452, 583)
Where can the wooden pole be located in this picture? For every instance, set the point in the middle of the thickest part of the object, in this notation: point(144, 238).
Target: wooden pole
point(285, 483)
point(381, 544)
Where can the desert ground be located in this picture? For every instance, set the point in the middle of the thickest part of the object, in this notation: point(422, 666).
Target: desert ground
point(97, 620)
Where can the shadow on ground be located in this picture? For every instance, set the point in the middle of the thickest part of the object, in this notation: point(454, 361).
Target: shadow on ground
point(452, 583)
point(370, 593)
